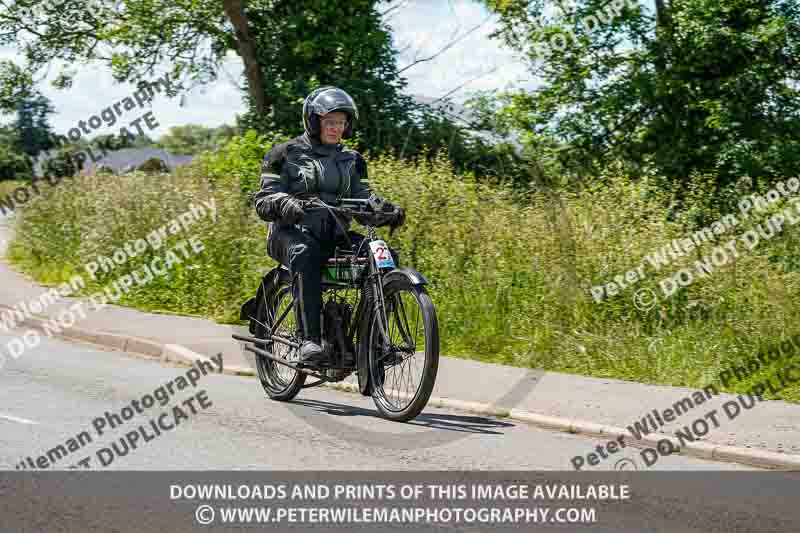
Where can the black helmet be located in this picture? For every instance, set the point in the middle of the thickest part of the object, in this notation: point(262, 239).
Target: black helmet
point(325, 100)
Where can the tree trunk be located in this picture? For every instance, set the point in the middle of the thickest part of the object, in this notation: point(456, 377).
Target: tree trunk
point(247, 51)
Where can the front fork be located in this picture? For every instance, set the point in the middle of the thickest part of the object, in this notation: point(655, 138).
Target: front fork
point(376, 278)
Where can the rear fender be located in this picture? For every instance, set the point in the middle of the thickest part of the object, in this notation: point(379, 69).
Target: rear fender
point(265, 293)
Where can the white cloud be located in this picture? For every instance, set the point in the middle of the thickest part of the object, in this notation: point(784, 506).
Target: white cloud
point(429, 25)
point(93, 90)
point(426, 24)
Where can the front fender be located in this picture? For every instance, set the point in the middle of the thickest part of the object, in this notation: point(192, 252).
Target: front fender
point(405, 273)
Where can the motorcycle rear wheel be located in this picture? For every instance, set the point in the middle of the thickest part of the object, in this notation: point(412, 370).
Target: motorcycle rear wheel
point(280, 382)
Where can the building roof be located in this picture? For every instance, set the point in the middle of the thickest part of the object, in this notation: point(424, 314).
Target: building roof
point(127, 159)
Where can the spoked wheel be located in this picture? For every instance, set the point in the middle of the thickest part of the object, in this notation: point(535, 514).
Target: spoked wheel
point(280, 382)
point(403, 371)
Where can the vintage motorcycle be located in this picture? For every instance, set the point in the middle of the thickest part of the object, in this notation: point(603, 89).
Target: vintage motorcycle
point(378, 321)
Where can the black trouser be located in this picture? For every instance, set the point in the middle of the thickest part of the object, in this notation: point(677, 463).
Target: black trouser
point(304, 253)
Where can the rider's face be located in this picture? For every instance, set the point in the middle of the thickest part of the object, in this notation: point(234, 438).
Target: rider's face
point(332, 126)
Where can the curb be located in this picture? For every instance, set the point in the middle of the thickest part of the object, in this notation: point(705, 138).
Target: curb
point(176, 353)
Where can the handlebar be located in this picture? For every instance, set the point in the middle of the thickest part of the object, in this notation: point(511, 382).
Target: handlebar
point(369, 212)
point(351, 206)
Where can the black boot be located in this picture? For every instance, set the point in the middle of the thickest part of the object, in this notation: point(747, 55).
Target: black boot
point(312, 353)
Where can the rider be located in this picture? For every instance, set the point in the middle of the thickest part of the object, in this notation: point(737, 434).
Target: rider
point(313, 165)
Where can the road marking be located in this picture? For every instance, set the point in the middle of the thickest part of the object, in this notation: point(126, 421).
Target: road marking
point(17, 419)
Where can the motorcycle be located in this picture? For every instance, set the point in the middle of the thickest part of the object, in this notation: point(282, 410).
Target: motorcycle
point(378, 321)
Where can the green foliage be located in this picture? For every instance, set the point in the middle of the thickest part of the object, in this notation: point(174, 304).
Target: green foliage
point(510, 282)
point(108, 171)
point(29, 133)
point(31, 125)
point(14, 165)
point(238, 164)
point(130, 37)
point(702, 86)
point(343, 44)
point(362, 62)
point(153, 165)
point(61, 164)
point(100, 214)
point(193, 139)
point(8, 187)
point(15, 84)
point(116, 142)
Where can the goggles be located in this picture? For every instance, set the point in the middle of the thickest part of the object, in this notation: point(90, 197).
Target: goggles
point(332, 123)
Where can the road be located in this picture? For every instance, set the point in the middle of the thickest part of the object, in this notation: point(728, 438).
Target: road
point(56, 390)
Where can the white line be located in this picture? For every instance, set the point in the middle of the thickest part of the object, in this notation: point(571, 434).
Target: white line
point(20, 420)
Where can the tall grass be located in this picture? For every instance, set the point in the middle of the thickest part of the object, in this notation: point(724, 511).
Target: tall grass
point(510, 281)
point(9, 186)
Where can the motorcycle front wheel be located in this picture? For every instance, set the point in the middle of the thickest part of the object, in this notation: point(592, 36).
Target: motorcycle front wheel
point(404, 363)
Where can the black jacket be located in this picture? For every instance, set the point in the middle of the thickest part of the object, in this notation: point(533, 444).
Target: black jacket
point(305, 168)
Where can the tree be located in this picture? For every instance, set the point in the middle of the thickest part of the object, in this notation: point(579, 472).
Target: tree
point(153, 165)
point(343, 44)
point(115, 142)
point(33, 131)
point(288, 47)
point(15, 83)
point(29, 134)
point(13, 164)
point(192, 139)
point(62, 164)
point(698, 86)
point(133, 36)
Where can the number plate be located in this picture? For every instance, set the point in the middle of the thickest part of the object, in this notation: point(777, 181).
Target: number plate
point(381, 254)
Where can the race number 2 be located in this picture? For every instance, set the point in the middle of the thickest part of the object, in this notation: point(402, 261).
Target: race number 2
point(383, 258)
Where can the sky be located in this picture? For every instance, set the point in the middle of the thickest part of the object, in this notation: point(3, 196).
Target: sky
point(420, 27)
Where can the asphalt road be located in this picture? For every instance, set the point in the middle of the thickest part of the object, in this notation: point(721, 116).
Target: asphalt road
point(55, 391)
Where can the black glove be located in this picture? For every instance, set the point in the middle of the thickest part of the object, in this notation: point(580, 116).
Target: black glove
point(393, 216)
point(399, 218)
point(290, 211)
point(344, 216)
